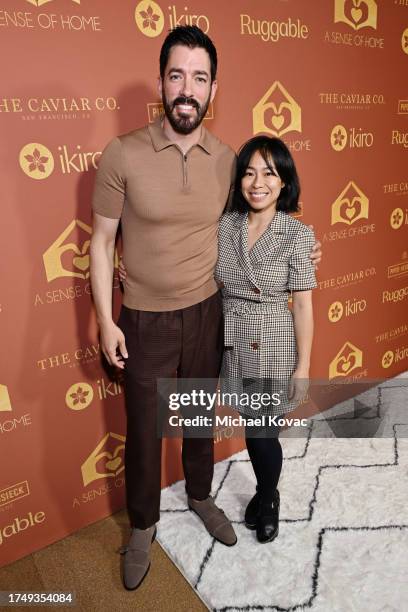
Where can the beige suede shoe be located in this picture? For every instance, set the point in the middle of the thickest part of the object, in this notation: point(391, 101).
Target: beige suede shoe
point(136, 557)
point(214, 519)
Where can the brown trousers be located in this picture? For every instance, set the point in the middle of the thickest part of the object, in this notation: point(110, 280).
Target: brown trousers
point(188, 341)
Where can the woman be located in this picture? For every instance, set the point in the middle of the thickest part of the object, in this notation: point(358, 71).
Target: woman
point(263, 257)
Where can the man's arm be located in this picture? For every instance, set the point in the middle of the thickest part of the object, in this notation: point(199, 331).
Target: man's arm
point(102, 251)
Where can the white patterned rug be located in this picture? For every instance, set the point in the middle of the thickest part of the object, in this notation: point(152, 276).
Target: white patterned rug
point(343, 534)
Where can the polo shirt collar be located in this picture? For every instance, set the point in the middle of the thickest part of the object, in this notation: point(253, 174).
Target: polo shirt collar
point(160, 140)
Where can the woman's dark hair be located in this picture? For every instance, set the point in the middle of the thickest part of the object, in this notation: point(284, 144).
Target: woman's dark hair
point(270, 149)
point(189, 36)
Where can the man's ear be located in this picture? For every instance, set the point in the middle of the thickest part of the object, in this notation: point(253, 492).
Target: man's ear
point(214, 86)
point(160, 86)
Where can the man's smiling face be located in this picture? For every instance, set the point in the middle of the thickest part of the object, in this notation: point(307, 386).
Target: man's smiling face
point(186, 88)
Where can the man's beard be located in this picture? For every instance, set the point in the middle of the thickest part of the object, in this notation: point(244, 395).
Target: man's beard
point(184, 124)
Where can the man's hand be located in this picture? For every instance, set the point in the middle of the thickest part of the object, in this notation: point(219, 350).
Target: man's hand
point(122, 271)
point(316, 252)
point(112, 340)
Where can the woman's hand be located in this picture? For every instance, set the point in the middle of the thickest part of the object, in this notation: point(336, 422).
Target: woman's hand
point(316, 252)
point(122, 271)
point(298, 385)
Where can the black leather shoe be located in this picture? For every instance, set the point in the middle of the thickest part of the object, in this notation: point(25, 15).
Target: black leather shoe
point(251, 511)
point(267, 521)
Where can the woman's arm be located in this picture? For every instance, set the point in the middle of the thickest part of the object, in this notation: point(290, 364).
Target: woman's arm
point(303, 322)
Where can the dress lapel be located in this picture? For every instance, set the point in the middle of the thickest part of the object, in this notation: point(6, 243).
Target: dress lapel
point(270, 239)
point(240, 241)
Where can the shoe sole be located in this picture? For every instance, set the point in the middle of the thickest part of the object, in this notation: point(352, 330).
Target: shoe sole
point(146, 572)
point(250, 526)
point(213, 536)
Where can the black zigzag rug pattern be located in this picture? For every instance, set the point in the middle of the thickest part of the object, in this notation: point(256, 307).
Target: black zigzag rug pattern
point(375, 412)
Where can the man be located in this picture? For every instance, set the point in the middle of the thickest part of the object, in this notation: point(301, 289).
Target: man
point(168, 183)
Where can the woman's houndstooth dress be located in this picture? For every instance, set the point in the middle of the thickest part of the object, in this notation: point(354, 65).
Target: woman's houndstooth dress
point(260, 346)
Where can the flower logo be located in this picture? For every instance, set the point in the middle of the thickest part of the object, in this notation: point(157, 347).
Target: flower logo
point(397, 218)
point(149, 18)
point(335, 312)
point(79, 396)
point(387, 359)
point(404, 41)
point(36, 161)
point(338, 137)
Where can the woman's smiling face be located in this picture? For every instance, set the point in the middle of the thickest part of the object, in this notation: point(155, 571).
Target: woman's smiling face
point(261, 184)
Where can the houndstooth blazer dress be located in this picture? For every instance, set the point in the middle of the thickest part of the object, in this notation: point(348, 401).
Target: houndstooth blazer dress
point(259, 339)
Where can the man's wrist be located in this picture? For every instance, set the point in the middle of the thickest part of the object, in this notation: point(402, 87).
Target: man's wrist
point(105, 320)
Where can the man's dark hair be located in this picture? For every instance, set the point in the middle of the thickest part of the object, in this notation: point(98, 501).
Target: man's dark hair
point(270, 149)
point(189, 36)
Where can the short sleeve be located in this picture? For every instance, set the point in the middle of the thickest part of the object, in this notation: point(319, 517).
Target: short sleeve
point(109, 191)
point(228, 205)
point(301, 270)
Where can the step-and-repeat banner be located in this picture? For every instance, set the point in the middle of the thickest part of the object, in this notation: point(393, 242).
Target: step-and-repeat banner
point(329, 77)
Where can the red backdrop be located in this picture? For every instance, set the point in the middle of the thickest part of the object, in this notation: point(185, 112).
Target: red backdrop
point(329, 77)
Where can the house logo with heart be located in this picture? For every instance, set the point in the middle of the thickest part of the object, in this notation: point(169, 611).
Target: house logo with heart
point(106, 461)
point(350, 206)
point(5, 403)
point(69, 253)
point(348, 359)
point(277, 112)
point(356, 13)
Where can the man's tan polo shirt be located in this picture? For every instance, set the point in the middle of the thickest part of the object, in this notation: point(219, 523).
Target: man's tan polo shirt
point(169, 205)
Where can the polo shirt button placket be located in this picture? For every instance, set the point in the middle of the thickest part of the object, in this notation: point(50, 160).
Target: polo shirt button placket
point(184, 169)
point(255, 346)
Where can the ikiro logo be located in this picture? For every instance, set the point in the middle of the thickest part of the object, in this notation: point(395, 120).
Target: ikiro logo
point(404, 41)
point(354, 138)
point(348, 309)
point(395, 356)
point(399, 218)
point(80, 395)
point(38, 162)
point(150, 19)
